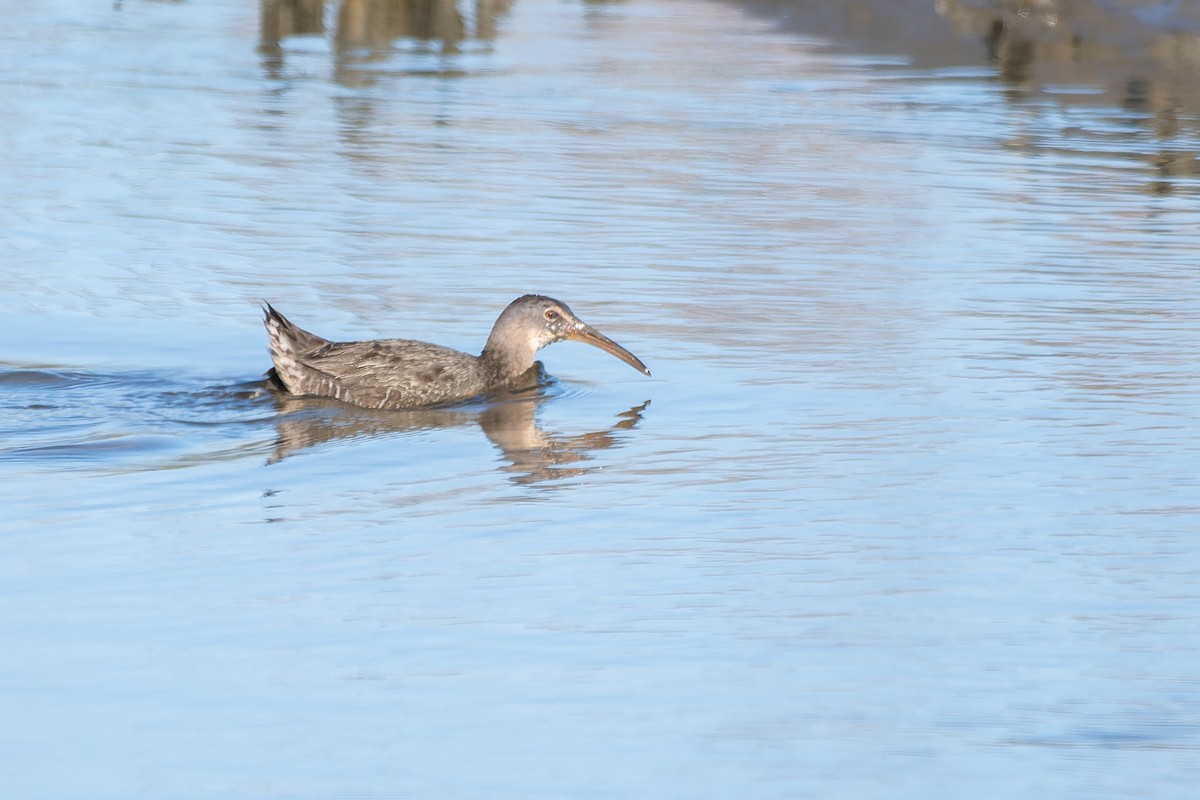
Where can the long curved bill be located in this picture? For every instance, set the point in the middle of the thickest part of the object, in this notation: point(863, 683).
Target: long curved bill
point(586, 333)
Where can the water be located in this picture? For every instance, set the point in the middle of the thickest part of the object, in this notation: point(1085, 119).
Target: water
point(909, 508)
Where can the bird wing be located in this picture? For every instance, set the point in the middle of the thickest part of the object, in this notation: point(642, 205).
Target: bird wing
point(395, 373)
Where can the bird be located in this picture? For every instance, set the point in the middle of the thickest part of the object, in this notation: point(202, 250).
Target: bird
point(405, 374)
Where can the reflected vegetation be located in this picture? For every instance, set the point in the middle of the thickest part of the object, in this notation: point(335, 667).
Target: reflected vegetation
point(281, 18)
point(367, 31)
point(372, 25)
point(1139, 56)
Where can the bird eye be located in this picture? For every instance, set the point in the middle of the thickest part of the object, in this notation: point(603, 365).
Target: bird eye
point(551, 314)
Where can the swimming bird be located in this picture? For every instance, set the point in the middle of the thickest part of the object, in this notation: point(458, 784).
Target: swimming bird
point(402, 373)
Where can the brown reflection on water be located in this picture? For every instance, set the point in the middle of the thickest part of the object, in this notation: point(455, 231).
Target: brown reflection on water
point(281, 18)
point(373, 25)
point(1088, 54)
point(370, 28)
point(1069, 43)
point(1139, 57)
point(534, 455)
point(531, 454)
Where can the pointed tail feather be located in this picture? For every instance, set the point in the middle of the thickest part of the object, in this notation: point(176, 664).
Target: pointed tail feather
point(288, 345)
point(287, 337)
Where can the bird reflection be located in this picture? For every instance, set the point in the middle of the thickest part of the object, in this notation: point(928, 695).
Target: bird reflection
point(532, 455)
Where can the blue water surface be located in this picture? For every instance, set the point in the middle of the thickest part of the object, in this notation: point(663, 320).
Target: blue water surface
point(909, 508)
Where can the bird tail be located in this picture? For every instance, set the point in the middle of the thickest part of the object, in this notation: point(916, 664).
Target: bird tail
point(288, 344)
point(285, 337)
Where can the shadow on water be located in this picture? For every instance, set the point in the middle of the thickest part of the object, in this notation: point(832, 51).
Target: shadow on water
point(72, 420)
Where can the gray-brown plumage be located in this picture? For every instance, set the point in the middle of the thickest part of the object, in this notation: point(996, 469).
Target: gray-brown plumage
point(402, 373)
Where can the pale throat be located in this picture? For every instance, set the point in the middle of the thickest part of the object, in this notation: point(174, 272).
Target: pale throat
point(510, 356)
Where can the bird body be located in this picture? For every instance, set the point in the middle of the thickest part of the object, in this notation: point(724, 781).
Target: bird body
point(403, 373)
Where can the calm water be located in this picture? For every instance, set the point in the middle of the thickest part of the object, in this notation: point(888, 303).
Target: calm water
point(909, 509)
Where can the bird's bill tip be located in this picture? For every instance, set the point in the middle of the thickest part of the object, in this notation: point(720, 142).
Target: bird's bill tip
point(588, 334)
